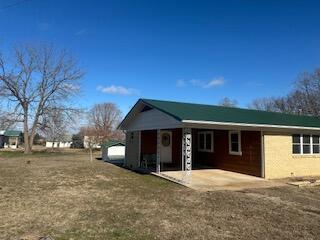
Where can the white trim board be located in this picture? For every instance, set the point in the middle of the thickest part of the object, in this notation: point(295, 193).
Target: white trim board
point(239, 143)
point(249, 125)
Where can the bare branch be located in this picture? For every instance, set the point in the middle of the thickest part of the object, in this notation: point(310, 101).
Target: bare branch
point(38, 80)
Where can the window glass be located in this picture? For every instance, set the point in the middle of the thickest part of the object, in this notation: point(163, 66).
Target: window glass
point(234, 143)
point(316, 144)
point(296, 138)
point(296, 145)
point(315, 139)
point(201, 141)
point(296, 149)
point(205, 141)
point(234, 147)
point(306, 138)
point(306, 149)
point(306, 144)
point(316, 149)
point(234, 137)
point(208, 141)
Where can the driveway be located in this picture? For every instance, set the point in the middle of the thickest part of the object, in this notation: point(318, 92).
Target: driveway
point(216, 179)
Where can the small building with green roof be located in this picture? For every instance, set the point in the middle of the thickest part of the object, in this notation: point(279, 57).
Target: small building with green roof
point(10, 138)
point(178, 136)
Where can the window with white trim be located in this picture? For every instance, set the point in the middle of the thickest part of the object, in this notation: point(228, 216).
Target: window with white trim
point(316, 144)
point(296, 144)
point(235, 142)
point(205, 141)
point(305, 144)
point(306, 147)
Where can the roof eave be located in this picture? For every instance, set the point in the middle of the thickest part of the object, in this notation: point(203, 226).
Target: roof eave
point(120, 126)
point(247, 125)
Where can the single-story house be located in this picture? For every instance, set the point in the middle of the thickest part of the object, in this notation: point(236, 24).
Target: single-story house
point(89, 140)
point(10, 138)
point(63, 142)
point(113, 150)
point(165, 135)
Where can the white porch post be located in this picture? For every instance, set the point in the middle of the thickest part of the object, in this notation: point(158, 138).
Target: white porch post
point(158, 152)
point(187, 150)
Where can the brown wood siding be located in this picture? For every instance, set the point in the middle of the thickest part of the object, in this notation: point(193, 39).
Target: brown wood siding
point(149, 142)
point(176, 146)
point(248, 163)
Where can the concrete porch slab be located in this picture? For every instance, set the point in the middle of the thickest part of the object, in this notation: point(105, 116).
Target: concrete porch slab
point(216, 179)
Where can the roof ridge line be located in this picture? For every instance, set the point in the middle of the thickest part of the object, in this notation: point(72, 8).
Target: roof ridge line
point(238, 108)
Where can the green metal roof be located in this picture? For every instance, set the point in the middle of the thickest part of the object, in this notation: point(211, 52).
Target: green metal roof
point(112, 143)
point(12, 133)
point(200, 112)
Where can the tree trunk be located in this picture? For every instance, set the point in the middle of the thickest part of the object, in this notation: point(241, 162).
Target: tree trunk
point(91, 157)
point(31, 140)
point(52, 146)
point(27, 148)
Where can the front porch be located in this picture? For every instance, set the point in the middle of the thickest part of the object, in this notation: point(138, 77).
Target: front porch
point(217, 179)
point(182, 151)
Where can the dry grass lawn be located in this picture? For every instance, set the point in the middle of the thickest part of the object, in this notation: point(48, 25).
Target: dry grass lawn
point(65, 196)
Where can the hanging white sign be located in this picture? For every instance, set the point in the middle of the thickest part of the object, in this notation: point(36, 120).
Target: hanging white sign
point(188, 150)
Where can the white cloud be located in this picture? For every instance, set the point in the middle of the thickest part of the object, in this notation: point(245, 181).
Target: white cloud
point(216, 82)
point(117, 90)
point(196, 82)
point(181, 83)
point(81, 32)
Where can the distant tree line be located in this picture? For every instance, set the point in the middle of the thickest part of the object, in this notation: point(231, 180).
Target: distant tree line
point(227, 102)
point(304, 99)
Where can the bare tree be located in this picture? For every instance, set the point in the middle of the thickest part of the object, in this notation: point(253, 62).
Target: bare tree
point(55, 125)
point(227, 102)
point(36, 81)
point(303, 99)
point(6, 120)
point(306, 93)
point(105, 118)
point(265, 104)
point(92, 139)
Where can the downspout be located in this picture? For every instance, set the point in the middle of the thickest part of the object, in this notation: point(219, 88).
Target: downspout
point(262, 155)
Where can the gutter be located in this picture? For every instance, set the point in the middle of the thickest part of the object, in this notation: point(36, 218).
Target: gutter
point(250, 125)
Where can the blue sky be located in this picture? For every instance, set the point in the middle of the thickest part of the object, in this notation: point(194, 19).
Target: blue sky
point(194, 51)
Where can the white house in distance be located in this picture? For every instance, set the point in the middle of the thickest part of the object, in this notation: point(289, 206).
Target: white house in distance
point(113, 150)
point(64, 142)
